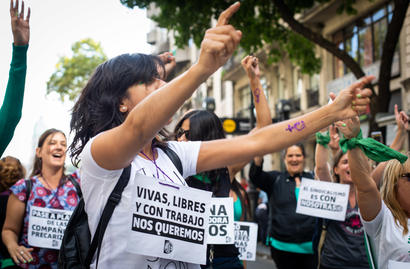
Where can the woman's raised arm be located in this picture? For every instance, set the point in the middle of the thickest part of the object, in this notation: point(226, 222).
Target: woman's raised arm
point(272, 138)
point(368, 196)
point(263, 116)
point(115, 148)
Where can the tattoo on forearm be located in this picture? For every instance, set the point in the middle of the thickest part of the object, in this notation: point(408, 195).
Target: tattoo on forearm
point(298, 126)
point(257, 92)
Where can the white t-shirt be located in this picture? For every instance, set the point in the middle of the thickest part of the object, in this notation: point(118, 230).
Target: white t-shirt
point(387, 238)
point(97, 184)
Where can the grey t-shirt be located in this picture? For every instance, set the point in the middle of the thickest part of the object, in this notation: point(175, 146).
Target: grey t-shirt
point(344, 243)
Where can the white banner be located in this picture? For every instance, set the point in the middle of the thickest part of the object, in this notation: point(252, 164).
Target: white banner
point(46, 226)
point(323, 199)
point(246, 236)
point(168, 220)
point(221, 228)
point(398, 265)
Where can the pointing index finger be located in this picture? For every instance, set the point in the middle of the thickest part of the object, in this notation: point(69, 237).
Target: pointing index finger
point(227, 14)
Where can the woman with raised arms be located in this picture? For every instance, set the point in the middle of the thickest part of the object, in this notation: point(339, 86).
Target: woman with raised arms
point(124, 106)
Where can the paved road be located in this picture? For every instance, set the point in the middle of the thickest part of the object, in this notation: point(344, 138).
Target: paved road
point(263, 258)
point(262, 262)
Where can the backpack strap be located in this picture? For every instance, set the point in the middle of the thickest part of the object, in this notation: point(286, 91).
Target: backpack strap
point(174, 158)
point(76, 185)
point(29, 186)
point(112, 202)
point(325, 223)
point(370, 252)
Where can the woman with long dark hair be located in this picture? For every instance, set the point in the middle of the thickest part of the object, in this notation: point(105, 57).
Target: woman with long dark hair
point(49, 188)
point(126, 103)
point(201, 125)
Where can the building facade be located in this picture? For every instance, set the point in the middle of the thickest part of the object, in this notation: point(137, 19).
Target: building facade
point(361, 35)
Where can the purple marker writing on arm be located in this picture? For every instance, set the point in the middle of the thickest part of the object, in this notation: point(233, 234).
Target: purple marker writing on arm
point(257, 92)
point(298, 126)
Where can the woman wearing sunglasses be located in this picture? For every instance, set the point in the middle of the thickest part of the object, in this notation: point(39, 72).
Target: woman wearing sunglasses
point(385, 214)
point(201, 125)
point(126, 103)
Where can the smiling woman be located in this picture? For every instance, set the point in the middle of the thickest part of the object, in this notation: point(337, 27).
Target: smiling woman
point(47, 188)
point(290, 234)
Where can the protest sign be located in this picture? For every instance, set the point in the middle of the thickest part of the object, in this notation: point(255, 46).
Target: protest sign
point(168, 220)
point(246, 236)
point(46, 226)
point(398, 265)
point(221, 228)
point(323, 199)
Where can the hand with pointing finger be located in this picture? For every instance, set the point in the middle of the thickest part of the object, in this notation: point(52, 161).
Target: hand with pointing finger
point(402, 120)
point(219, 42)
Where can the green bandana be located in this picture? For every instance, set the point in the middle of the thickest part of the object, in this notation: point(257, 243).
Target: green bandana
point(202, 177)
point(371, 148)
point(323, 139)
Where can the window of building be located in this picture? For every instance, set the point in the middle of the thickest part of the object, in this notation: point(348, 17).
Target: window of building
point(297, 82)
point(244, 102)
point(363, 39)
point(313, 91)
point(280, 85)
point(264, 84)
point(314, 81)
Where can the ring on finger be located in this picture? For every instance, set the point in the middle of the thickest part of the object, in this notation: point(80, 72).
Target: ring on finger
point(21, 252)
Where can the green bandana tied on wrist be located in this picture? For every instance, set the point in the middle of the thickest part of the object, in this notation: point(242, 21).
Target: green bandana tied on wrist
point(371, 148)
point(323, 139)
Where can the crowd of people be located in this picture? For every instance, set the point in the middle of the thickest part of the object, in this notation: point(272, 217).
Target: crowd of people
point(115, 127)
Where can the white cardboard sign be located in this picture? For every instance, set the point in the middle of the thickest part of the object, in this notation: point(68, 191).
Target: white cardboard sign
point(46, 226)
point(398, 265)
point(221, 227)
point(168, 220)
point(246, 236)
point(323, 199)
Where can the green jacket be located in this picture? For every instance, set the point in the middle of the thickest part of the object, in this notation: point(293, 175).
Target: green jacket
point(10, 111)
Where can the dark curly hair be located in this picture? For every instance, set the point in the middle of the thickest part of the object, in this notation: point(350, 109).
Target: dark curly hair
point(11, 170)
point(97, 108)
point(203, 126)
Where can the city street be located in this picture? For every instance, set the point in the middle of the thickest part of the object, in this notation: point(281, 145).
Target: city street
point(262, 262)
point(263, 259)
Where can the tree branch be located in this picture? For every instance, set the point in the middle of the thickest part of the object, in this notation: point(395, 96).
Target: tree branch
point(318, 39)
point(389, 45)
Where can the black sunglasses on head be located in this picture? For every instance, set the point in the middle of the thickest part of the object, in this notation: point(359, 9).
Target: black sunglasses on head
point(182, 132)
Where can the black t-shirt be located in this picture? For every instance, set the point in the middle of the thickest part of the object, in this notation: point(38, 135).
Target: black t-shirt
point(344, 243)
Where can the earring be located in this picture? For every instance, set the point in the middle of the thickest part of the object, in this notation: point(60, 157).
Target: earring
point(123, 108)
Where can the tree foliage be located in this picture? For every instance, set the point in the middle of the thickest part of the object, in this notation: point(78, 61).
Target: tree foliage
point(274, 22)
point(258, 20)
point(72, 73)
